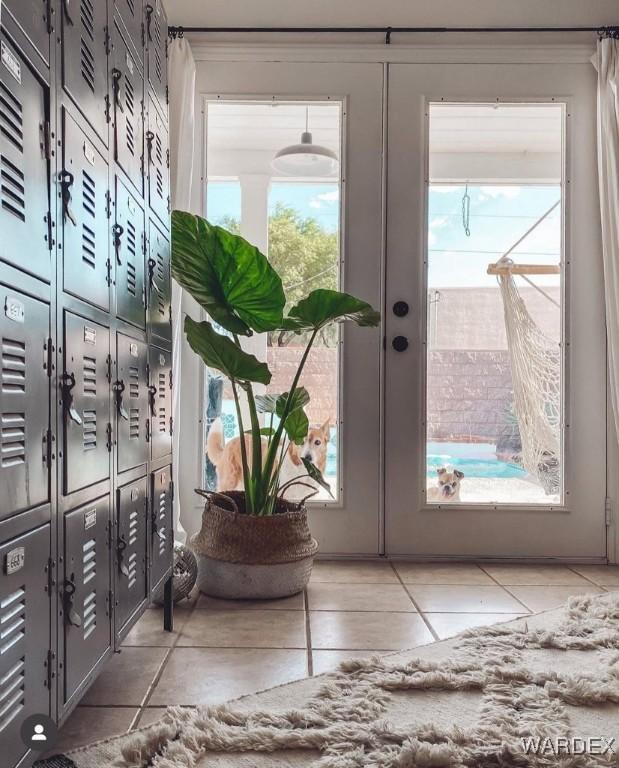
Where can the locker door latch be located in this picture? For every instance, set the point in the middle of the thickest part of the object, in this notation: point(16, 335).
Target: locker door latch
point(67, 12)
point(71, 615)
point(152, 393)
point(119, 388)
point(149, 13)
point(117, 231)
point(68, 382)
point(152, 284)
point(120, 548)
point(150, 136)
point(66, 182)
point(116, 75)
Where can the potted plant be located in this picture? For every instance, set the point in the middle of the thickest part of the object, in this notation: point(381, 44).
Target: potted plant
point(253, 543)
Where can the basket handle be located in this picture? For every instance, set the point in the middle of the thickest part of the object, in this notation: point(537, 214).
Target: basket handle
point(209, 495)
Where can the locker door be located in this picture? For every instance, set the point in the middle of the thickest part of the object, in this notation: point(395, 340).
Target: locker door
point(131, 398)
point(86, 404)
point(25, 638)
point(158, 161)
point(129, 241)
point(85, 591)
point(127, 84)
point(132, 14)
point(24, 168)
point(32, 16)
point(162, 535)
point(84, 184)
point(84, 59)
point(131, 550)
point(157, 51)
point(159, 284)
point(160, 397)
point(24, 403)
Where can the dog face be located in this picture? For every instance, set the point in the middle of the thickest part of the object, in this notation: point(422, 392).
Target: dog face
point(314, 447)
point(449, 483)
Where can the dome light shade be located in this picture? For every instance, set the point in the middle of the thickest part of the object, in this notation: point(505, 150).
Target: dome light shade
point(306, 158)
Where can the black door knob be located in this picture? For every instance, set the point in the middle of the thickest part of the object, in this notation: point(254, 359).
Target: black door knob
point(400, 309)
point(400, 343)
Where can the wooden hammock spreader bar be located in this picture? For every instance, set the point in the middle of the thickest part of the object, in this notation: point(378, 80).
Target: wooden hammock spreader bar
point(523, 269)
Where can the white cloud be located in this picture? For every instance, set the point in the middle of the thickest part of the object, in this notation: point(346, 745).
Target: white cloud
point(438, 222)
point(326, 197)
point(499, 191)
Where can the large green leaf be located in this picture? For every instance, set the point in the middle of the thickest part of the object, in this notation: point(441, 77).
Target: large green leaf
point(222, 353)
point(316, 475)
point(226, 275)
point(322, 306)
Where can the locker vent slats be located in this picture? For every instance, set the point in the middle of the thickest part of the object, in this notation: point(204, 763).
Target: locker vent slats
point(89, 243)
point(12, 690)
point(89, 430)
point(133, 568)
point(13, 439)
point(12, 620)
point(11, 118)
point(13, 366)
point(89, 367)
point(160, 278)
point(134, 424)
point(89, 193)
point(162, 520)
point(131, 235)
point(12, 188)
point(89, 560)
point(131, 5)
point(133, 527)
point(88, 65)
point(90, 614)
point(131, 279)
point(134, 381)
point(161, 411)
point(87, 59)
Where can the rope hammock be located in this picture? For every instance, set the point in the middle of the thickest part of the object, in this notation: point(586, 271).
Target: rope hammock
point(536, 372)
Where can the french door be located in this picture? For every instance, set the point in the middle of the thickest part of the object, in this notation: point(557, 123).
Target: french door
point(495, 385)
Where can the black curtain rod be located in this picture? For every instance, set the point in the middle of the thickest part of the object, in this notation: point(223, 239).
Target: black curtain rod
point(612, 31)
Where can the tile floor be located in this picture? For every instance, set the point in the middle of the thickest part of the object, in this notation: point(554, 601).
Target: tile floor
point(223, 649)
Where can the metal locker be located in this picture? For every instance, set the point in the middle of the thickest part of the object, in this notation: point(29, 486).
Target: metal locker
point(25, 671)
point(84, 59)
point(85, 388)
point(129, 243)
point(157, 51)
point(24, 402)
point(24, 165)
point(159, 285)
point(158, 162)
point(84, 194)
point(161, 525)
point(131, 402)
point(160, 402)
point(132, 14)
point(127, 98)
point(131, 550)
point(33, 17)
point(86, 609)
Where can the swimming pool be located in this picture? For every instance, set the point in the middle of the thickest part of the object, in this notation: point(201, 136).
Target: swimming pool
point(474, 459)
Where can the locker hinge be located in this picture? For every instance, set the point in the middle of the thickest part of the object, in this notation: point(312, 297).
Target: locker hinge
point(109, 272)
point(170, 378)
point(143, 36)
point(172, 490)
point(108, 204)
point(47, 140)
point(47, 448)
point(49, 665)
point(108, 41)
point(608, 512)
point(148, 430)
point(110, 602)
point(171, 425)
point(48, 16)
point(108, 361)
point(108, 109)
point(108, 432)
point(48, 357)
point(167, 155)
point(51, 564)
point(167, 90)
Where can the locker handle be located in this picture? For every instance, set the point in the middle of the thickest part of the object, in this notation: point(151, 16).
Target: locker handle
point(117, 231)
point(149, 145)
point(120, 548)
point(152, 393)
point(67, 14)
point(116, 75)
point(68, 382)
point(151, 275)
point(119, 388)
point(66, 182)
point(72, 616)
point(149, 13)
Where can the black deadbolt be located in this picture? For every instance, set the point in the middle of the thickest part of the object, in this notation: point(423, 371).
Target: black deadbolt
point(400, 343)
point(400, 309)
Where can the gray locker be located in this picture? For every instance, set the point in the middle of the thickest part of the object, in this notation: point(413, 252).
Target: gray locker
point(129, 243)
point(161, 525)
point(131, 402)
point(131, 550)
point(127, 86)
point(157, 52)
point(25, 636)
point(159, 284)
point(84, 190)
point(24, 167)
point(132, 14)
point(85, 386)
point(24, 402)
point(84, 59)
point(160, 401)
point(158, 165)
point(86, 611)
point(33, 17)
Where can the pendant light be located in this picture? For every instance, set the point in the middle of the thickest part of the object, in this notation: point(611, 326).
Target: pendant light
point(306, 158)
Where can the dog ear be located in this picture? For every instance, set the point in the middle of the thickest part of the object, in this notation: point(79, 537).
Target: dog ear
point(441, 471)
point(294, 454)
point(458, 474)
point(326, 429)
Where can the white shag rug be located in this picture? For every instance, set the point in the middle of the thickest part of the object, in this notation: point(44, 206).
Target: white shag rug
point(536, 692)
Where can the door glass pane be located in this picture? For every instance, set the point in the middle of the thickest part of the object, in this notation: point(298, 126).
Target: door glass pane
point(293, 215)
point(494, 421)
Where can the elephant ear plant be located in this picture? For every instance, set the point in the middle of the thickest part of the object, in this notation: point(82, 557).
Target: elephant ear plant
point(242, 294)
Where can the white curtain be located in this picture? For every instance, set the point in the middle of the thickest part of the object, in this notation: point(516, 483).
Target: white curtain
point(606, 62)
point(181, 84)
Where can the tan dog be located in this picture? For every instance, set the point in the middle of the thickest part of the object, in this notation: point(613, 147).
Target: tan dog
point(448, 488)
point(227, 458)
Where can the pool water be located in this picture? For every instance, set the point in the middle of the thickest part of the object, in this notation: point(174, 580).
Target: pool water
point(474, 459)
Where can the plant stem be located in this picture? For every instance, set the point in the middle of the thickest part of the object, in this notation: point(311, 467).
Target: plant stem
point(256, 445)
point(246, 477)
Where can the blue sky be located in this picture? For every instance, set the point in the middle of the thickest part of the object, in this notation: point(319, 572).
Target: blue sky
point(499, 215)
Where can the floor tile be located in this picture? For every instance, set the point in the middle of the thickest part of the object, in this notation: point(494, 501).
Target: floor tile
point(451, 624)
point(534, 575)
point(353, 572)
point(150, 715)
point(88, 724)
point(328, 661)
point(126, 677)
point(604, 575)
point(196, 676)
point(538, 598)
point(210, 628)
point(442, 598)
point(293, 603)
point(441, 573)
point(327, 596)
point(149, 630)
point(367, 630)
